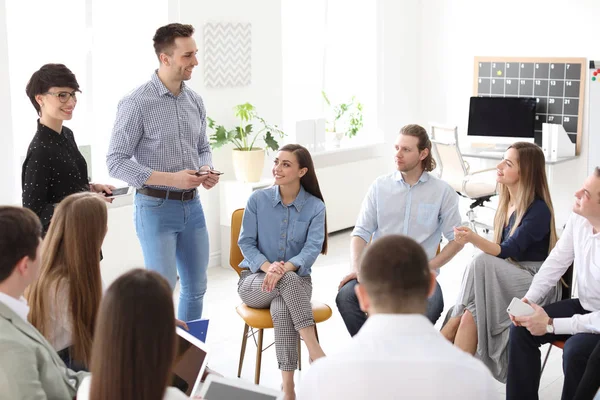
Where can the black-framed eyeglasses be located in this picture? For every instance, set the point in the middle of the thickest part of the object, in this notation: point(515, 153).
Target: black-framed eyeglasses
point(63, 97)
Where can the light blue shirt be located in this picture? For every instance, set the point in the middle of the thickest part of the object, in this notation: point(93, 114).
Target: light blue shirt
point(272, 231)
point(157, 131)
point(423, 212)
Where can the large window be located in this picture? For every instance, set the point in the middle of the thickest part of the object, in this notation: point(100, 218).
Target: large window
point(330, 45)
point(106, 44)
point(55, 33)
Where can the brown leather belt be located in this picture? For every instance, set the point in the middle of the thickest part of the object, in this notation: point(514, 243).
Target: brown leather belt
point(171, 195)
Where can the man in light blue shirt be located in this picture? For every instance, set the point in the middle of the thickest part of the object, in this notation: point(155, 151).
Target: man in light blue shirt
point(409, 202)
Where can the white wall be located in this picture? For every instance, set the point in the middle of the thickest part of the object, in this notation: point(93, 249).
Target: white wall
point(400, 70)
point(7, 163)
point(452, 33)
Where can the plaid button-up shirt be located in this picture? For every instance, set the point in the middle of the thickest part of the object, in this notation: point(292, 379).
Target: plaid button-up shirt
point(157, 131)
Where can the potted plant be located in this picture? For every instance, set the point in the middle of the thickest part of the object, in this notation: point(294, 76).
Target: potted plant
point(346, 119)
point(248, 159)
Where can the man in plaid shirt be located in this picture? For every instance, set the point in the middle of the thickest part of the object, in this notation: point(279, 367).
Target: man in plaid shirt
point(159, 145)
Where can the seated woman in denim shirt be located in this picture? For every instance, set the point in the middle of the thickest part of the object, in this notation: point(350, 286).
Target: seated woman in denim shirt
point(283, 232)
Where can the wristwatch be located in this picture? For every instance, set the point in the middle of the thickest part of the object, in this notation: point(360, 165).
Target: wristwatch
point(550, 326)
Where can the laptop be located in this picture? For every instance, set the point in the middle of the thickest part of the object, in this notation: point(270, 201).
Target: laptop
point(221, 388)
point(190, 362)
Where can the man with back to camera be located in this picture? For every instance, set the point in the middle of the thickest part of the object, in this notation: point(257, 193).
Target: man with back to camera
point(397, 353)
point(411, 202)
point(158, 145)
point(575, 321)
point(30, 368)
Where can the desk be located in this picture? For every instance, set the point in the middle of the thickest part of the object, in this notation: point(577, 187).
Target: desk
point(497, 155)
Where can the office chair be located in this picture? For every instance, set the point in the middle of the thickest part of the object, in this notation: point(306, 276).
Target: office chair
point(568, 290)
point(479, 186)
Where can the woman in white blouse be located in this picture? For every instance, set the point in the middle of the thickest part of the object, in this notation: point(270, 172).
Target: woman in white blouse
point(135, 340)
point(65, 299)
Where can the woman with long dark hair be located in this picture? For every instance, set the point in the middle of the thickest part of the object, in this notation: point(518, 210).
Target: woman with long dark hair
point(135, 341)
point(283, 231)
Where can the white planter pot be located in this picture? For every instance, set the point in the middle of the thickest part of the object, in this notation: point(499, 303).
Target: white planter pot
point(248, 165)
point(336, 138)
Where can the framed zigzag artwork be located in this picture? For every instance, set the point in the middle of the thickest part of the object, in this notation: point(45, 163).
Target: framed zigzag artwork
point(227, 54)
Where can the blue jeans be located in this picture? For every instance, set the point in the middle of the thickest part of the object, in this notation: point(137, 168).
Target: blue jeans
point(174, 239)
point(354, 318)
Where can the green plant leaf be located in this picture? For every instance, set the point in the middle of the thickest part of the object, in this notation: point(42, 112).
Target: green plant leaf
point(220, 137)
point(346, 116)
point(243, 136)
point(325, 97)
point(211, 122)
point(271, 142)
point(245, 112)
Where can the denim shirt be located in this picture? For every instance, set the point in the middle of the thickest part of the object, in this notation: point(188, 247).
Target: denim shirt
point(272, 231)
point(425, 211)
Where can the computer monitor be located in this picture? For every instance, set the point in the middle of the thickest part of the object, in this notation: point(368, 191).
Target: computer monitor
point(502, 119)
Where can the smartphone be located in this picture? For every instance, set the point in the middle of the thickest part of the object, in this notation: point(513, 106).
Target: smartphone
point(205, 172)
point(517, 308)
point(117, 192)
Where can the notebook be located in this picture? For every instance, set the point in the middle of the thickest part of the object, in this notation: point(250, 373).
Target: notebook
point(198, 328)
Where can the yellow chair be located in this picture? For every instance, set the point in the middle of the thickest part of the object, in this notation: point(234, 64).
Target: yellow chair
point(256, 318)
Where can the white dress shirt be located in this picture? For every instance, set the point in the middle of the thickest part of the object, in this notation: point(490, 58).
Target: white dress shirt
point(398, 356)
point(83, 393)
point(423, 211)
point(19, 306)
point(578, 243)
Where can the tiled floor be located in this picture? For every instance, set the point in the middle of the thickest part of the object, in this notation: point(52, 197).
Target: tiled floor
point(226, 327)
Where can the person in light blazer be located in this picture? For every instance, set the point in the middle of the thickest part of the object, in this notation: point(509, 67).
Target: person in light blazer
point(283, 231)
point(30, 368)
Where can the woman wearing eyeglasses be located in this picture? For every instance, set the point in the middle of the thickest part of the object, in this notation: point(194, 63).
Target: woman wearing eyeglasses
point(53, 168)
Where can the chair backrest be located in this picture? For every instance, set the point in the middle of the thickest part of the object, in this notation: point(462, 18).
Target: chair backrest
point(443, 133)
point(452, 166)
point(235, 254)
point(567, 283)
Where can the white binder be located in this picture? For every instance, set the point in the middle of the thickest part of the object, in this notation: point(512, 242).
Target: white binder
point(556, 142)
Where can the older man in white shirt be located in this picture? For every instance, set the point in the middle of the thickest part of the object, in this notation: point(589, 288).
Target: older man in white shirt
point(397, 353)
point(576, 321)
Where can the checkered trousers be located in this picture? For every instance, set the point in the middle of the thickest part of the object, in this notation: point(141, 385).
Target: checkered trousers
point(290, 309)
